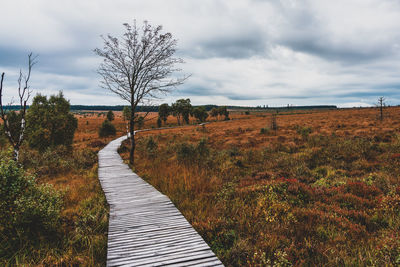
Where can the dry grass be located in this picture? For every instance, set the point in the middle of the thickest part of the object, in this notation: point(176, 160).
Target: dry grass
point(313, 193)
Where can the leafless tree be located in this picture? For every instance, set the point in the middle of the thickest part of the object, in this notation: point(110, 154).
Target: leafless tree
point(138, 66)
point(24, 93)
point(381, 104)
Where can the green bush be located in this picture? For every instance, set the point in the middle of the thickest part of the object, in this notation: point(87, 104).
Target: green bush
point(185, 153)
point(110, 115)
point(200, 114)
point(14, 122)
point(107, 129)
point(189, 154)
point(3, 138)
point(28, 212)
point(50, 123)
point(84, 158)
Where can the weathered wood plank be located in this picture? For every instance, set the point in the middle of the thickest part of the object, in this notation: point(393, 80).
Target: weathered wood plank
point(145, 228)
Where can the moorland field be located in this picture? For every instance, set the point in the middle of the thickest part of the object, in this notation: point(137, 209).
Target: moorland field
point(321, 189)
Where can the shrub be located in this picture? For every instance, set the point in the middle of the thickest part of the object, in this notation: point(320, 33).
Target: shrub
point(126, 113)
point(151, 146)
point(200, 114)
point(84, 158)
point(28, 212)
point(96, 144)
point(110, 115)
point(190, 154)
point(14, 121)
point(3, 138)
point(50, 123)
point(265, 130)
point(140, 122)
point(185, 153)
point(107, 129)
point(163, 112)
point(304, 132)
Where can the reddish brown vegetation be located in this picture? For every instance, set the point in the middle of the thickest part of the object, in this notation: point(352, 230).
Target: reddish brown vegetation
point(323, 190)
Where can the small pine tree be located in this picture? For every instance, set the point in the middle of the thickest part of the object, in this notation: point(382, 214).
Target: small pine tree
point(110, 115)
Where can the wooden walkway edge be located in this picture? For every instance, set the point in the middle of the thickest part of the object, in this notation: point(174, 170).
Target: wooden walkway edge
point(145, 228)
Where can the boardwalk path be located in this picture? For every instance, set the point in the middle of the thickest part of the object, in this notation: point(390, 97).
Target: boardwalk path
point(145, 228)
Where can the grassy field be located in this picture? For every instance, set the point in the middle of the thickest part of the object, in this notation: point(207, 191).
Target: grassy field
point(81, 235)
point(323, 189)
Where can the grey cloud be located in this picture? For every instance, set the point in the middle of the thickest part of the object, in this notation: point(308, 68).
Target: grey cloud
point(240, 46)
point(231, 47)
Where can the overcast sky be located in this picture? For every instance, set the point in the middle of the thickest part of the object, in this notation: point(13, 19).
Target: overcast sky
point(239, 52)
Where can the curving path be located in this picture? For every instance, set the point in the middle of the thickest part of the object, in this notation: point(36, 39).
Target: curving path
point(145, 228)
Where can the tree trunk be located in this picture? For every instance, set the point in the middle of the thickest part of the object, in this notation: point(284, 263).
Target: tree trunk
point(132, 137)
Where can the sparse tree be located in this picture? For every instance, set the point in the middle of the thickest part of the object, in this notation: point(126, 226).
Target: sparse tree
point(110, 115)
point(182, 109)
point(163, 112)
point(50, 123)
point(214, 113)
point(137, 67)
point(381, 104)
point(222, 111)
point(200, 114)
point(24, 93)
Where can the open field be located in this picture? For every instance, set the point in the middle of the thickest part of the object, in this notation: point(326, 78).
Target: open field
point(81, 236)
point(324, 189)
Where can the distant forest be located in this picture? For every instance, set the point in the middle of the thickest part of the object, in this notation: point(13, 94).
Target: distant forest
point(207, 107)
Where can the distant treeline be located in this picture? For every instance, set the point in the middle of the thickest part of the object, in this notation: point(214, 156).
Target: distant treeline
point(207, 107)
point(286, 107)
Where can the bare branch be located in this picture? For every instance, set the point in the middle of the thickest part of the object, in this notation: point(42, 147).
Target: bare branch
point(137, 66)
point(24, 94)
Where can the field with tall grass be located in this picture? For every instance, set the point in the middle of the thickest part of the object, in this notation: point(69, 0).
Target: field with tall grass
point(74, 230)
point(321, 189)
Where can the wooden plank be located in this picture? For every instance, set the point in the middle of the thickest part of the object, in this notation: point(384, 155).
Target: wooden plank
point(145, 228)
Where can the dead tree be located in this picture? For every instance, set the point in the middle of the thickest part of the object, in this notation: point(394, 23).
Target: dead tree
point(381, 104)
point(137, 67)
point(24, 94)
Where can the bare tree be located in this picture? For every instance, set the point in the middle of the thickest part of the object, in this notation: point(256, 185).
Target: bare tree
point(137, 67)
point(381, 104)
point(24, 94)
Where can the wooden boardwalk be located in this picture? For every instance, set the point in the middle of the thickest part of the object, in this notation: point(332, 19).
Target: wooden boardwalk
point(145, 228)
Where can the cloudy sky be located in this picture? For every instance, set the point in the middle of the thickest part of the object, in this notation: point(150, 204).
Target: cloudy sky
point(239, 52)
